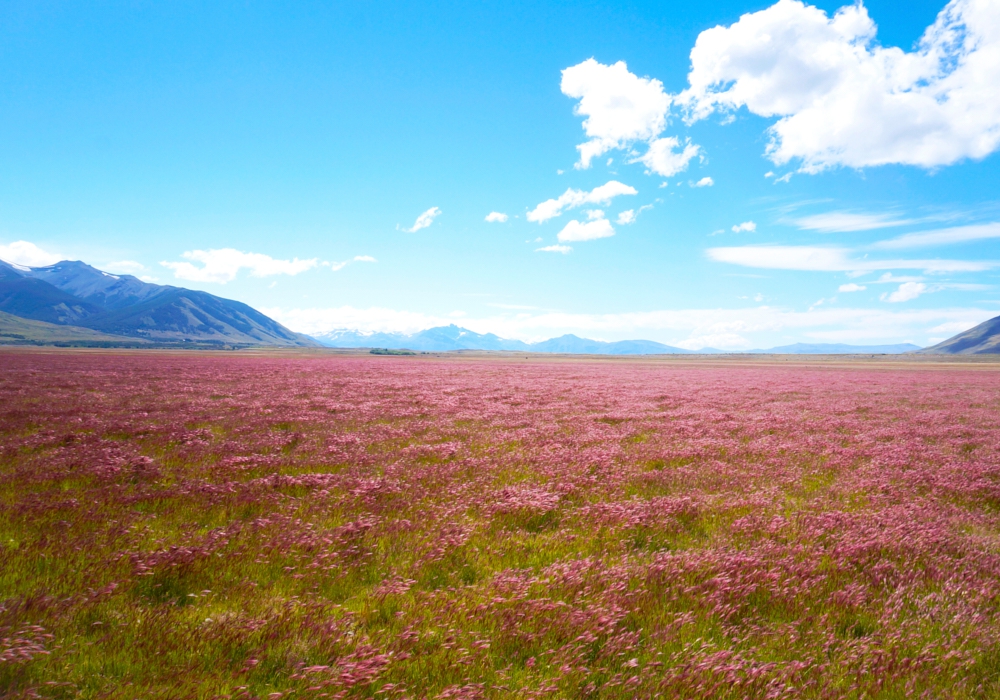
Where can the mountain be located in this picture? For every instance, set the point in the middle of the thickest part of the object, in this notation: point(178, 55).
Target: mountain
point(15, 330)
point(439, 339)
point(984, 339)
point(27, 297)
point(74, 293)
point(446, 338)
point(840, 349)
point(572, 344)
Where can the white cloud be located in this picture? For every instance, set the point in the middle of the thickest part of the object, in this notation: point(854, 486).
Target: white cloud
point(620, 108)
point(554, 249)
point(663, 160)
point(593, 214)
point(945, 236)
point(851, 287)
point(223, 264)
point(577, 231)
point(952, 328)
point(496, 217)
point(27, 254)
point(704, 182)
point(570, 199)
point(843, 221)
point(828, 259)
point(745, 226)
point(124, 267)
point(907, 291)
point(889, 278)
point(424, 220)
point(338, 266)
point(844, 100)
point(626, 217)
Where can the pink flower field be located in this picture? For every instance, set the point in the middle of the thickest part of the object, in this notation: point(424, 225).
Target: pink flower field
point(223, 525)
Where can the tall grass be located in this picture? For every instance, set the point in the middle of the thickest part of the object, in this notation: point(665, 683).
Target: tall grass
point(200, 526)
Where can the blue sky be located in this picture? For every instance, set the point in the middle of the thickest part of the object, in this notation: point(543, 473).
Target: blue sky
point(283, 156)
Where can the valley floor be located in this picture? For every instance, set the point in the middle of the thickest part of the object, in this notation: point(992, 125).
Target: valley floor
point(313, 523)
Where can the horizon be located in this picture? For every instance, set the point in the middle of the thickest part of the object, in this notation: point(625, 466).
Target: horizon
point(519, 172)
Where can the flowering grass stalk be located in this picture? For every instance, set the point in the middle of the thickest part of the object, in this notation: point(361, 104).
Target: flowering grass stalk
point(208, 526)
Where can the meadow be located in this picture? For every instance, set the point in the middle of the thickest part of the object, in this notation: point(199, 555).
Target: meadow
point(230, 525)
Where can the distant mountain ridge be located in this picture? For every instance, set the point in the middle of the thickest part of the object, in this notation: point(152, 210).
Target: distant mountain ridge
point(72, 293)
point(449, 338)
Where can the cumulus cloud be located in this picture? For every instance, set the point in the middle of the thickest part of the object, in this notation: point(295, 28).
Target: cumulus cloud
point(423, 221)
point(223, 264)
point(570, 199)
point(748, 226)
point(704, 182)
point(591, 230)
point(662, 159)
point(554, 249)
point(851, 287)
point(27, 254)
point(626, 217)
point(495, 217)
point(620, 108)
point(907, 291)
point(841, 98)
point(830, 259)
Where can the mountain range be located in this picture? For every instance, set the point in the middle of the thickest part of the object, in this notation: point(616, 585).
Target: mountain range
point(448, 338)
point(72, 294)
point(73, 303)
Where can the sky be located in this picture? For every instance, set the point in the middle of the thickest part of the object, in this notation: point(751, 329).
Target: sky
point(729, 174)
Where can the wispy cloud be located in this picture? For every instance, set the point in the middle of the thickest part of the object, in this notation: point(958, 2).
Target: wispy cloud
point(223, 264)
point(944, 236)
point(907, 291)
point(495, 217)
point(830, 259)
point(845, 221)
point(423, 221)
point(704, 182)
point(851, 287)
point(554, 249)
point(747, 226)
point(337, 266)
point(571, 198)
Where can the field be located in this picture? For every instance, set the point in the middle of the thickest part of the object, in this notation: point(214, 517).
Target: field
point(185, 525)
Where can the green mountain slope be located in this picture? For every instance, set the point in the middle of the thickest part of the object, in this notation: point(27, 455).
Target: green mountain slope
point(15, 330)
